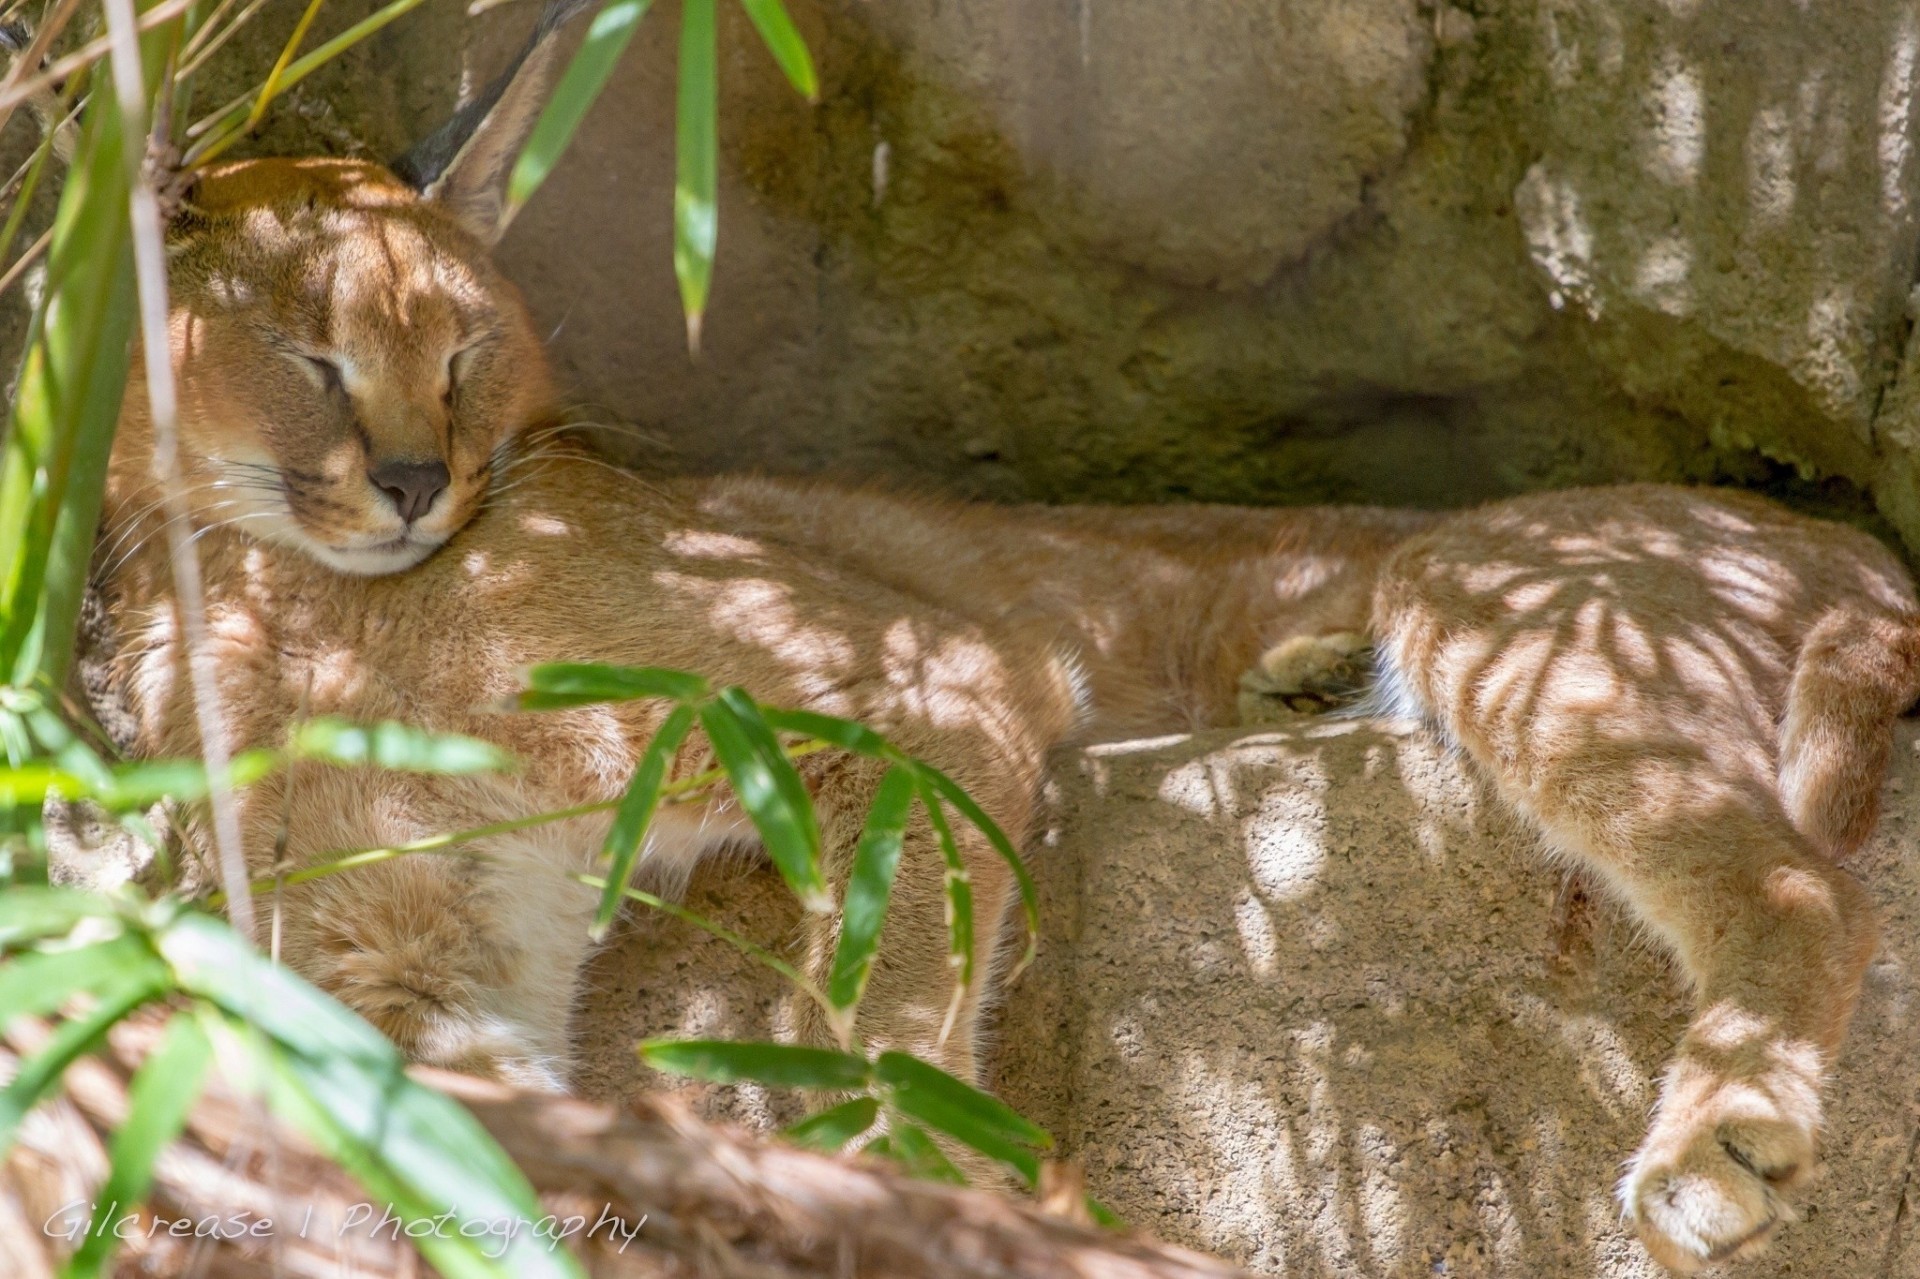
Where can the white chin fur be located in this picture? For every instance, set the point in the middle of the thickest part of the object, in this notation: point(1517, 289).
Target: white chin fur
point(375, 561)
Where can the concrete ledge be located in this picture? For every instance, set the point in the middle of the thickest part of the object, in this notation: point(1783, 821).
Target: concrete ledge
point(1310, 1000)
point(1313, 1002)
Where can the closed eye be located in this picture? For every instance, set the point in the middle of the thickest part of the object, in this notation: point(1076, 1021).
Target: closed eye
point(324, 371)
point(458, 364)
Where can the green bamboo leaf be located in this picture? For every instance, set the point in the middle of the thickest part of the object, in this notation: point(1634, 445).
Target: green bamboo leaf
point(38, 982)
point(843, 733)
point(724, 1061)
point(396, 746)
point(959, 889)
point(30, 784)
point(576, 92)
point(161, 1094)
point(67, 402)
point(875, 860)
point(976, 816)
point(922, 1157)
point(784, 43)
point(635, 814)
point(1103, 1216)
point(830, 1130)
point(696, 210)
point(28, 913)
point(770, 791)
point(963, 1112)
point(558, 685)
point(41, 1074)
point(344, 1085)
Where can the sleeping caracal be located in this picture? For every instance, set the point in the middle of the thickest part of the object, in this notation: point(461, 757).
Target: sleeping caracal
point(1690, 693)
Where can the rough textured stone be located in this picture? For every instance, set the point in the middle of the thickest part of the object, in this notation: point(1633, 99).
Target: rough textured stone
point(1409, 251)
point(1308, 998)
point(1278, 251)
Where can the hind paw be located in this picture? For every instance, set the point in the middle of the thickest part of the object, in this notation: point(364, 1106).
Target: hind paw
point(1308, 673)
point(1710, 1182)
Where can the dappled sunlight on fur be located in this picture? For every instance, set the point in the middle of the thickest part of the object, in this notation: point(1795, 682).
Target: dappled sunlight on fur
point(1689, 694)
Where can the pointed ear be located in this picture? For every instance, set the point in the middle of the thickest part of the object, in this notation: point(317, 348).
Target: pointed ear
point(464, 164)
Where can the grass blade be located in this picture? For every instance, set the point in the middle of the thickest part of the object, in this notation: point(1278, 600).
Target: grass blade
point(783, 41)
point(66, 407)
point(770, 791)
point(158, 1100)
point(227, 125)
point(635, 814)
point(576, 92)
point(724, 1061)
point(876, 859)
point(829, 1131)
point(696, 209)
point(559, 685)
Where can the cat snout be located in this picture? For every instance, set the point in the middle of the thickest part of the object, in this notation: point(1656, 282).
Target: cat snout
point(412, 486)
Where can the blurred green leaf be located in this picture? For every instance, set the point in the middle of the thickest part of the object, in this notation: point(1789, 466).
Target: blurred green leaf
point(724, 1061)
point(635, 814)
point(40, 1074)
point(396, 746)
point(558, 685)
point(696, 211)
point(140, 785)
point(29, 913)
point(161, 1094)
point(959, 889)
point(345, 1086)
point(576, 92)
point(963, 1112)
point(66, 405)
point(922, 1157)
point(770, 791)
point(869, 887)
point(784, 43)
point(38, 982)
point(831, 1129)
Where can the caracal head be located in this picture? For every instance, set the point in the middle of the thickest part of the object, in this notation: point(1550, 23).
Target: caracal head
point(350, 364)
point(351, 367)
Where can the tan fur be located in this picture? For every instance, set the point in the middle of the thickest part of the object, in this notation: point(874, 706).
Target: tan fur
point(1690, 692)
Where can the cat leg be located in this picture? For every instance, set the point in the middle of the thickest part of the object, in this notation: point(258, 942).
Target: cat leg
point(1663, 779)
point(464, 963)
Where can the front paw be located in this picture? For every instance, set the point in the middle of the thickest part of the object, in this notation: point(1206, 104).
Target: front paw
point(1710, 1182)
point(1307, 673)
point(492, 1048)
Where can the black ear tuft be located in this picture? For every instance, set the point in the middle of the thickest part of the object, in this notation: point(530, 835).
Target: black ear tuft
point(465, 163)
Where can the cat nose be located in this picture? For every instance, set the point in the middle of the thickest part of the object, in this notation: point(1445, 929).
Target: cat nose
point(411, 485)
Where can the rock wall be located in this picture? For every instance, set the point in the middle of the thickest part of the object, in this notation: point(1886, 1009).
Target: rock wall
point(1282, 250)
point(1309, 999)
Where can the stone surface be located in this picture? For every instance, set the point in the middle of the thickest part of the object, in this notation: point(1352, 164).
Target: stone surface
point(1283, 250)
point(1308, 999)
